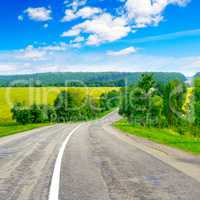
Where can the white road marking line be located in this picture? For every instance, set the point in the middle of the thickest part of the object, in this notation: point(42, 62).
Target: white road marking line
point(55, 181)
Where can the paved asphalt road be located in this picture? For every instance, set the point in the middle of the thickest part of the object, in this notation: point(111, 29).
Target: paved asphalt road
point(96, 165)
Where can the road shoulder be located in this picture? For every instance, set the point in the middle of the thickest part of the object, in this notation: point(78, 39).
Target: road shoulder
point(186, 163)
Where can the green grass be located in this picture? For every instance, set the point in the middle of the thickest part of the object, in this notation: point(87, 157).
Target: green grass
point(11, 128)
point(163, 136)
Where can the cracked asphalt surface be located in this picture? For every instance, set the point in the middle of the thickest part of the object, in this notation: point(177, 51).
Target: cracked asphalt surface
point(96, 165)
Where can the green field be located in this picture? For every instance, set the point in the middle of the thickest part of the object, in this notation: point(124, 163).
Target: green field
point(164, 136)
point(41, 95)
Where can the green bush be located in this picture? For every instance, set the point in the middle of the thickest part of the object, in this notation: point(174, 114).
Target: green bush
point(197, 101)
point(141, 103)
point(109, 100)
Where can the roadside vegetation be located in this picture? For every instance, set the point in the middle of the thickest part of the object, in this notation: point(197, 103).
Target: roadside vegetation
point(165, 136)
point(10, 128)
point(160, 112)
point(40, 96)
point(168, 113)
point(69, 106)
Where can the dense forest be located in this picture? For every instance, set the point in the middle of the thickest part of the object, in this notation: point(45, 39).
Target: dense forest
point(80, 79)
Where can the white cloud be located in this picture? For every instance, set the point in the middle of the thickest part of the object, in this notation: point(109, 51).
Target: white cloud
point(31, 53)
point(76, 45)
point(180, 2)
point(56, 59)
point(20, 18)
point(94, 40)
point(123, 52)
point(73, 32)
point(69, 15)
point(54, 48)
point(40, 53)
point(75, 4)
point(102, 28)
point(149, 12)
point(86, 12)
point(7, 68)
point(39, 14)
point(78, 39)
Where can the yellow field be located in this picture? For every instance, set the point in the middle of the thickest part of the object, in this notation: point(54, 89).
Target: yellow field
point(43, 95)
point(188, 97)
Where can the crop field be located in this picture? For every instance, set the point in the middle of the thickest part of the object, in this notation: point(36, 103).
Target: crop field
point(188, 98)
point(41, 95)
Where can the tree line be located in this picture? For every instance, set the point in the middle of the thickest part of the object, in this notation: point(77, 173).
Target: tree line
point(150, 104)
point(68, 106)
point(147, 103)
point(82, 79)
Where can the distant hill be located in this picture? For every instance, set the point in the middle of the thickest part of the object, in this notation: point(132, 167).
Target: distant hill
point(83, 78)
point(197, 75)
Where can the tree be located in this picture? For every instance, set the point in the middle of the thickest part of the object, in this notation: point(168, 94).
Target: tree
point(51, 113)
point(16, 108)
point(137, 106)
point(37, 114)
point(109, 100)
point(90, 109)
point(24, 116)
point(146, 82)
point(197, 101)
point(66, 106)
point(21, 114)
point(156, 111)
point(124, 106)
point(174, 99)
point(141, 104)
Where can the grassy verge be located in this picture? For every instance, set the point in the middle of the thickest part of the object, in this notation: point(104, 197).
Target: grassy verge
point(10, 128)
point(164, 136)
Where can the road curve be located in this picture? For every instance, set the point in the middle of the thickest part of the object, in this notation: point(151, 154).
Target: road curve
point(27, 162)
point(96, 165)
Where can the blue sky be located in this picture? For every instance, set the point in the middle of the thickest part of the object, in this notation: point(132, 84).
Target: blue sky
point(99, 35)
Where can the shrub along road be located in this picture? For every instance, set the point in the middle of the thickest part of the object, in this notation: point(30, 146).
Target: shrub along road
point(96, 164)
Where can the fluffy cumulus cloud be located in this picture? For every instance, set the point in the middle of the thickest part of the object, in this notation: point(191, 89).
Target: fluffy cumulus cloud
point(99, 26)
point(93, 25)
point(75, 4)
point(123, 52)
point(149, 12)
point(102, 28)
point(39, 13)
point(86, 12)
